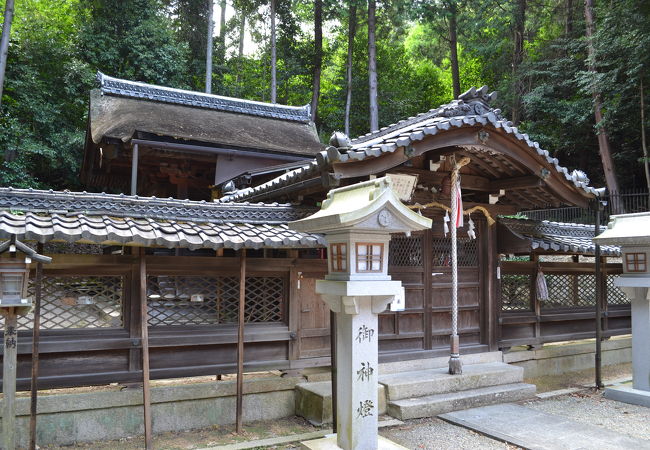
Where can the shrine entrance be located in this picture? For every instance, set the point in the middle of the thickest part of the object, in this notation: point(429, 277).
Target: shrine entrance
point(422, 263)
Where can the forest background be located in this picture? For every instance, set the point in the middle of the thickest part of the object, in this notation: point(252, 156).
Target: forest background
point(535, 53)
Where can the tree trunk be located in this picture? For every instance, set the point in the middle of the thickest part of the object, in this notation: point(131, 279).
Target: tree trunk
point(274, 83)
point(372, 66)
point(4, 42)
point(318, 57)
point(568, 24)
point(352, 31)
point(222, 32)
point(208, 53)
point(517, 58)
point(242, 35)
point(603, 138)
point(643, 141)
point(453, 47)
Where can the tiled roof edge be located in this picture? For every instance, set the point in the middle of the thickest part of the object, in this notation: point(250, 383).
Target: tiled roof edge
point(134, 89)
point(121, 205)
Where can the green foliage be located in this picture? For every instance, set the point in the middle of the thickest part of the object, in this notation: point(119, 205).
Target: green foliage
point(58, 45)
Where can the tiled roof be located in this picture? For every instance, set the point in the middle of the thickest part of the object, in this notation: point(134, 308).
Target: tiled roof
point(470, 109)
point(556, 236)
point(135, 89)
point(119, 219)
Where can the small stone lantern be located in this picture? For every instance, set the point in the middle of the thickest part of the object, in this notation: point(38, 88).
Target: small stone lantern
point(632, 233)
point(357, 222)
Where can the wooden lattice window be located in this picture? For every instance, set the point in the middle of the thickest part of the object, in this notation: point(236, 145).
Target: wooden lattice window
point(339, 256)
point(77, 301)
point(515, 292)
point(405, 251)
point(198, 300)
point(615, 296)
point(635, 262)
point(369, 257)
point(467, 252)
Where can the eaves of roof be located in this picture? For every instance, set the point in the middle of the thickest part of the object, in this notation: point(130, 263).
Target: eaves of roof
point(558, 237)
point(45, 216)
point(459, 113)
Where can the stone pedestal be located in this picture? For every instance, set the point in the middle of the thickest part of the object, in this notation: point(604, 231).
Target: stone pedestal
point(357, 362)
point(639, 392)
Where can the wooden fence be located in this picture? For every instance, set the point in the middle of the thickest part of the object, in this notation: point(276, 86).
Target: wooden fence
point(568, 312)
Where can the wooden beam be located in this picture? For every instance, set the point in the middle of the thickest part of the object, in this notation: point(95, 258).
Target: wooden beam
point(471, 182)
point(134, 170)
point(144, 316)
point(240, 340)
point(525, 182)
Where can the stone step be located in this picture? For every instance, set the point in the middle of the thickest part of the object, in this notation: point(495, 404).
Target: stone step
point(314, 401)
point(438, 381)
point(432, 405)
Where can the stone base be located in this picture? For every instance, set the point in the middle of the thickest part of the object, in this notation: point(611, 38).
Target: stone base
point(329, 443)
point(627, 394)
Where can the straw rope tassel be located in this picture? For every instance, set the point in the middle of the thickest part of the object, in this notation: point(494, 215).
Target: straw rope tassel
point(455, 364)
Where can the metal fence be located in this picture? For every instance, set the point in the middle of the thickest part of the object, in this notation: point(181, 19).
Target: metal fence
point(624, 202)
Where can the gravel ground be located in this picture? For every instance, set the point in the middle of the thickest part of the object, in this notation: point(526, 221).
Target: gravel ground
point(592, 408)
point(437, 434)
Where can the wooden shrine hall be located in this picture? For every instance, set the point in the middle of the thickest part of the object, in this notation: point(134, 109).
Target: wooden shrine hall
point(266, 167)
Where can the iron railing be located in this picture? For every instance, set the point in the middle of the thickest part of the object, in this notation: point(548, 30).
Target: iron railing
point(624, 202)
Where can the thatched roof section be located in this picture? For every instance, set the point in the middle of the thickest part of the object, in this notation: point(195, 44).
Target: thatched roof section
point(121, 117)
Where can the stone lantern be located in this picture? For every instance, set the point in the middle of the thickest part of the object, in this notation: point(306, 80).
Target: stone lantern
point(357, 222)
point(632, 233)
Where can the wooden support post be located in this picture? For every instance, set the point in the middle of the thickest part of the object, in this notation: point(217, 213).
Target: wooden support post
point(240, 339)
point(144, 316)
point(134, 170)
point(333, 366)
point(9, 380)
point(599, 294)
point(534, 299)
point(35, 340)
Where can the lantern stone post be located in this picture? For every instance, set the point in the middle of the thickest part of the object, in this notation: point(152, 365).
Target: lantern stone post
point(357, 222)
point(632, 233)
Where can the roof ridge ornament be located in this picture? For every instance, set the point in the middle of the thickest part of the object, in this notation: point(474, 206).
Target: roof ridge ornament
point(471, 102)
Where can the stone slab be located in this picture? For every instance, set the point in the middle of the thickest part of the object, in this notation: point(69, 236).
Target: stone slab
point(314, 401)
point(627, 394)
point(439, 381)
point(531, 429)
point(329, 443)
point(432, 405)
point(438, 363)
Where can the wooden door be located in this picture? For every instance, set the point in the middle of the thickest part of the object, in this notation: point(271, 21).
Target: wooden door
point(314, 316)
point(469, 292)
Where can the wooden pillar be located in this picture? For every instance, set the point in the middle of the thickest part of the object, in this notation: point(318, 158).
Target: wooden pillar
point(146, 392)
point(537, 307)
point(9, 380)
point(491, 299)
point(240, 340)
point(134, 170)
point(35, 341)
point(427, 278)
point(575, 287)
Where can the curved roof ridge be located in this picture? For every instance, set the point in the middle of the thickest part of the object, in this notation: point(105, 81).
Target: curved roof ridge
point(136, 89)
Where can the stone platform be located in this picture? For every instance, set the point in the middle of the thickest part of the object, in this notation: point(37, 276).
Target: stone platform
point(329, 443)
point(627, 394)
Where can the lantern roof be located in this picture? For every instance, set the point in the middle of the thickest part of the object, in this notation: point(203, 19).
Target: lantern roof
point(357, 205)
point(627, 229)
